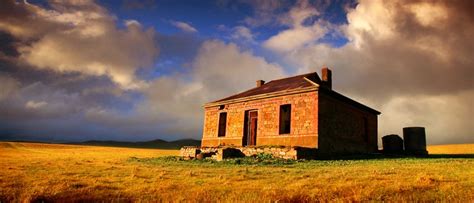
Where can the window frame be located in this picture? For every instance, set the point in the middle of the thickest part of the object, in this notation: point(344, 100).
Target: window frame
point(281, 122)
point(222, 132)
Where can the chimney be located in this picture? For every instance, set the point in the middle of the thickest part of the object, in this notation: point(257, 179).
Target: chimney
point(327, 77)
point(260, 83)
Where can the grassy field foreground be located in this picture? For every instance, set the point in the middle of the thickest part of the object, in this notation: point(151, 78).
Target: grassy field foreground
point(51, 172)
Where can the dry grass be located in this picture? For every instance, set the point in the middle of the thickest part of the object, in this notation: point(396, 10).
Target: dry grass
point(79, 173)
point(452, 149)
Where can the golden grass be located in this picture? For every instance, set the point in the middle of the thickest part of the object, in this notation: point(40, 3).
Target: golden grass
point(32, 171)
point(451, 149)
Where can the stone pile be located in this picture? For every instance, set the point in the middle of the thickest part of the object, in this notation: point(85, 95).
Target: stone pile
point(219, 153)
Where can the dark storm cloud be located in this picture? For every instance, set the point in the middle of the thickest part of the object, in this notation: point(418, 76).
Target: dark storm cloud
point(45, 105)
point(49, 78)
point(8, 45)
point(71, 81)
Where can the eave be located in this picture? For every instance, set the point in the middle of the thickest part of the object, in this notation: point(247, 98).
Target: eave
point(264, 96)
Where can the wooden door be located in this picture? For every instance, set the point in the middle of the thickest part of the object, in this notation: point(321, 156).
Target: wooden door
point(252, 132)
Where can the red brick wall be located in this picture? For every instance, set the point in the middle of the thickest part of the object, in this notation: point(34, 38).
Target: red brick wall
point(304, 121)
point(342, 127)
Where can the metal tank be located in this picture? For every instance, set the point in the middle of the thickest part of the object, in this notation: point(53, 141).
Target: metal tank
point(415, 140)
point(392, 144)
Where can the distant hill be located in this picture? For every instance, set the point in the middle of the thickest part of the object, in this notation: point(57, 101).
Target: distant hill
point(153, 144)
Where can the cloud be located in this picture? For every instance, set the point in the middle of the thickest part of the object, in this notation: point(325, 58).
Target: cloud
point(295, 38)
point(413, 66)
point(72, 71)
point(35, 104)
point(242, 32)
point(265, 12)
point(298, 34)
point(444, 116)
point(77, 107)
point(172, 104)
point(80, 37)
point(9, 86)
point(78, 79)
point(54, 110)
point(217, 64)
point(213, 76)
point(185, 27)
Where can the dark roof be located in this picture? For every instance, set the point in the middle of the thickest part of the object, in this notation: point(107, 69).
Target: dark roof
point(348, 100)
point(291, 83)
point(296, 83)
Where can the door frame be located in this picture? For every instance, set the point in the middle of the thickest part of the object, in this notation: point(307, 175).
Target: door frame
point(247, 124)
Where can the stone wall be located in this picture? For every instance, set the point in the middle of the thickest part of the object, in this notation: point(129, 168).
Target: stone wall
point(342, 128)
point(189, 152)
point(219, 153)
point(303, 130)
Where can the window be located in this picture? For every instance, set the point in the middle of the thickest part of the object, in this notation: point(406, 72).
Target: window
point(222, 124)
point(285, 118)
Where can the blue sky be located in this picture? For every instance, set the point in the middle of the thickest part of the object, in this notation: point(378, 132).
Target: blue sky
point(142, 69)
point(215, 20)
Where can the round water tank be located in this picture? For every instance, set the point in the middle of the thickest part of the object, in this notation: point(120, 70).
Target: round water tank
point(415, 140)
point(392, 144)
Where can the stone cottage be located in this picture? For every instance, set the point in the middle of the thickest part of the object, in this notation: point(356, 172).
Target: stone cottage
point(298, 111)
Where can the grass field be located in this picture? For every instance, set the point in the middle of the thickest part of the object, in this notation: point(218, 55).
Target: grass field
point(53, 172)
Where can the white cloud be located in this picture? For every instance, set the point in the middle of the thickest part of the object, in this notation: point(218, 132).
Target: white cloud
point(292, 39)
point(299, 13)
point(242, 32)
point(186, 27)
point(298, 35)
point(414, 67)
point(173, 103)
point(218, 65)
point(35, 104)
point(219, 70)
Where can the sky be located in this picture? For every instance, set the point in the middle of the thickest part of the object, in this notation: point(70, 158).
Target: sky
point(137, 70)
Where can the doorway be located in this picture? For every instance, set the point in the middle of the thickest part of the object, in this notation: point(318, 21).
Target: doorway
point(250, 128)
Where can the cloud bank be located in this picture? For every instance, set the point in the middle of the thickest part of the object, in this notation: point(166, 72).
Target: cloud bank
point(410, 59)
point(74, 71)
point(80, 36)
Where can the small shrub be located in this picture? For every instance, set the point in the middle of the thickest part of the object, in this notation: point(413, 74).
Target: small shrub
point(264, 156)
point(259, 159)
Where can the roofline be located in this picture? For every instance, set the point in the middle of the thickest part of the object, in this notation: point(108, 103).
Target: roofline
point(316, 87)
point(263, 96)
point(341, 97)
point(305, 78)
point(312, 82)
point(296, 76)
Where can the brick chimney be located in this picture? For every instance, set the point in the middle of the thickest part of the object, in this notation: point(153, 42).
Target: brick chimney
point(327, 77)
point(260, 83)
